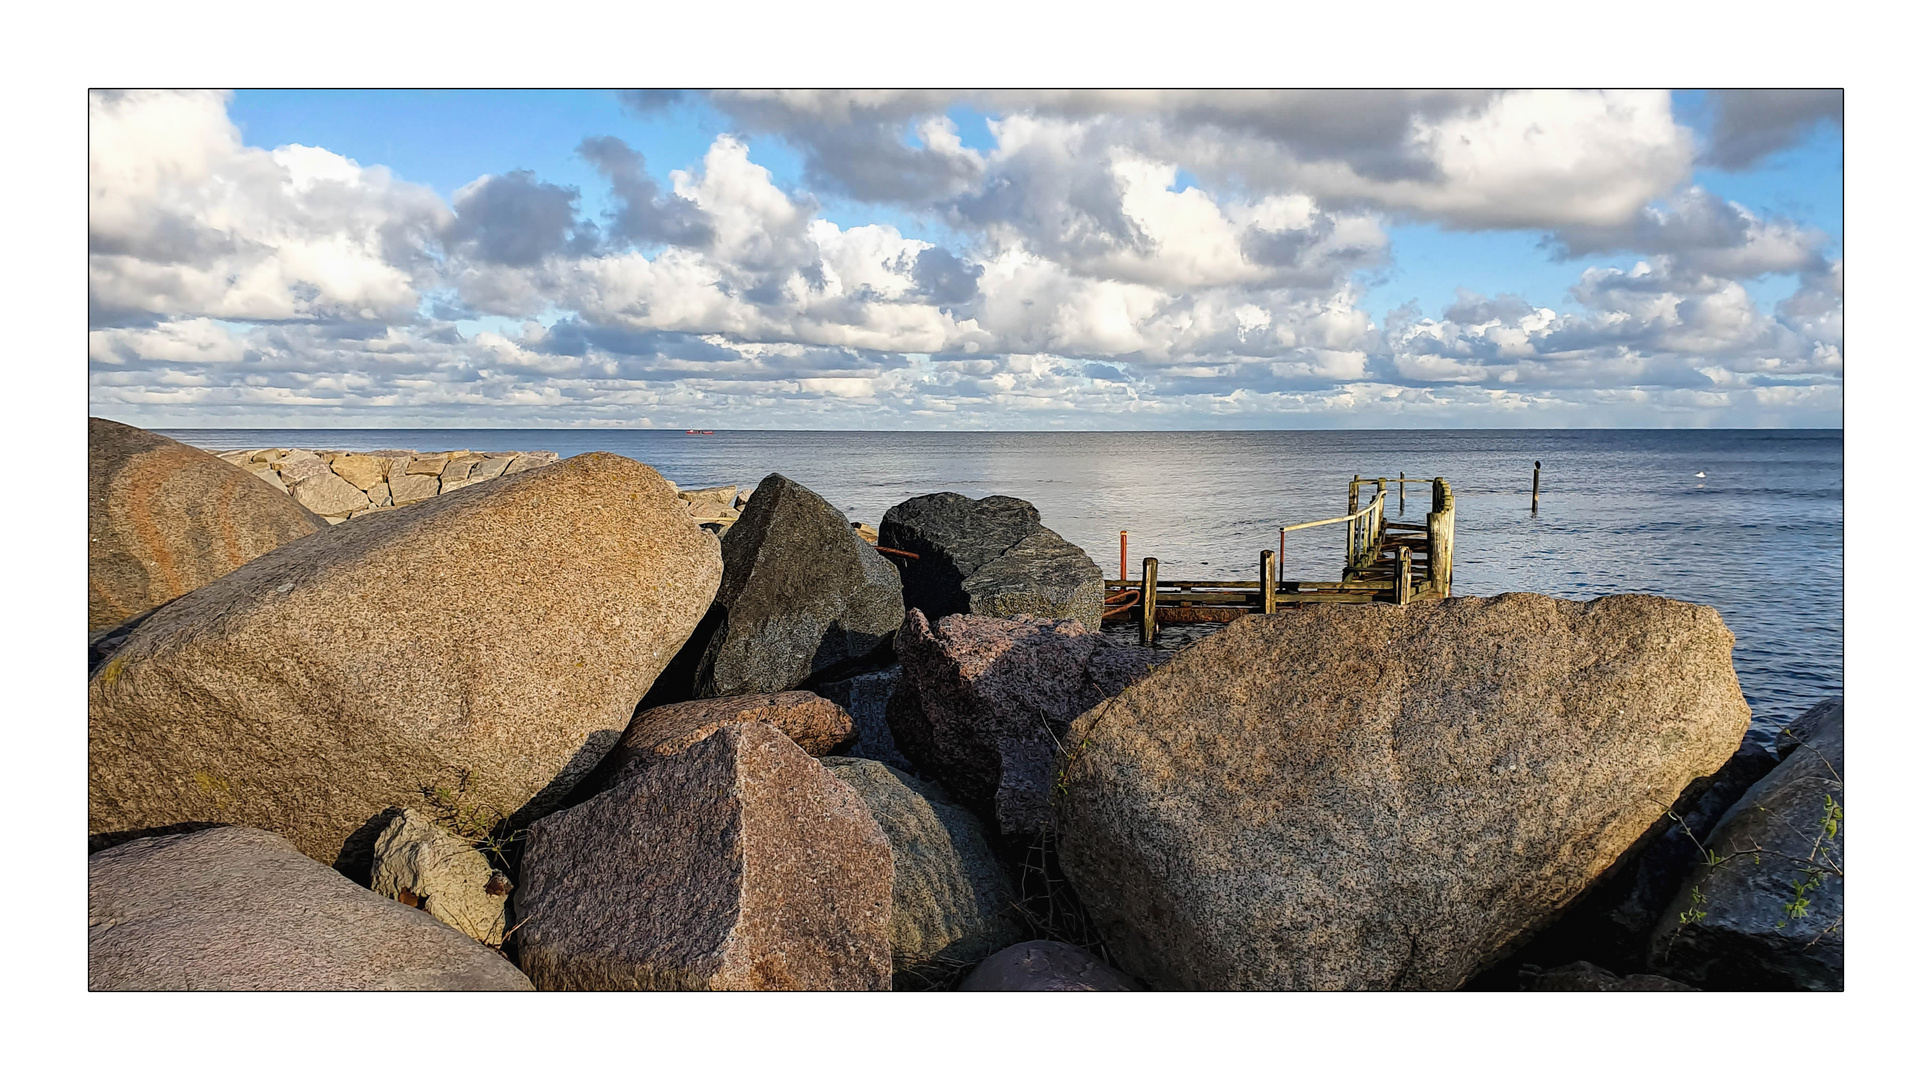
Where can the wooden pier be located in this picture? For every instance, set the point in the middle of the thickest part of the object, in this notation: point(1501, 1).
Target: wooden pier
point(1391, 562)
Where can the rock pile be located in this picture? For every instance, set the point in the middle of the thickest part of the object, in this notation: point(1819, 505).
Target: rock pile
point(338, 485)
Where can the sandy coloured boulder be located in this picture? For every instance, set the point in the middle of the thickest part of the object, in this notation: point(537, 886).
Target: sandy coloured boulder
point(801, 597)
point(992, 557)
point(502, 635)
point(328, 494)
point(241, 909)
point(984, 704)
point(422, 864)
point(1383, 797)
point(1044, 966)
point(361, 470)
point(951, 901)
point(407, 488)
point(1770, 915)
point(740, 863)
point(164, 519)
point(815, 724)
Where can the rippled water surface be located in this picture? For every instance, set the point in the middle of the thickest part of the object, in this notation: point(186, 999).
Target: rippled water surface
point(1760, 536)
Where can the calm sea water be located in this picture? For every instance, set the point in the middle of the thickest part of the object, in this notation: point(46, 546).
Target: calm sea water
point(1759, 536)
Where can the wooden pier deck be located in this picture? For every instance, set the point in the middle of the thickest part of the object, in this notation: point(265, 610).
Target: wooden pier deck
point(1385, 561)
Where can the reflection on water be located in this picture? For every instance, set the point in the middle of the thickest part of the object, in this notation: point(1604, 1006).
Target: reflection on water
point(1759, 536)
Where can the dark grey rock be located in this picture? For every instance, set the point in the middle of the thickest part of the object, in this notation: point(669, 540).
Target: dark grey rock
point(864, 697)
point(951, 901)
point(1045, 965)
point(1586, 976)
point(990, 556)
point(241, 909)
point(1806, 727)
point(984, 703)
point(1772, 838)
point(802, 597)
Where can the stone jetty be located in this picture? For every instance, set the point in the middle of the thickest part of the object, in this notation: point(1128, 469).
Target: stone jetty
point(556, 724)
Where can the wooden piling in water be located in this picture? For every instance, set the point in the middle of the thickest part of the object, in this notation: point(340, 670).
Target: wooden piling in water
point(1536, 483)
point(1401, 494)
point(1149, 571)
point(1267, 582)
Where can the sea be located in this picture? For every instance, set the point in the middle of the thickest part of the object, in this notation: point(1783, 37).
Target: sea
point(1751, 522)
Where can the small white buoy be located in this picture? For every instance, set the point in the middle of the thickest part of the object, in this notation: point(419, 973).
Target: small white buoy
point(1700, 476)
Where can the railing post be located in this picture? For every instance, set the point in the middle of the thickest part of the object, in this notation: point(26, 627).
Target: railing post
point(1149, 569)
point(1354, 501)
point(1267, 582)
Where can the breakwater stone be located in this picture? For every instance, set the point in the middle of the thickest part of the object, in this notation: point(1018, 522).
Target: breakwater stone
point(164, 519)
point(494, 641)
point(1381, 797)
point(992, 557)
point(242, 909)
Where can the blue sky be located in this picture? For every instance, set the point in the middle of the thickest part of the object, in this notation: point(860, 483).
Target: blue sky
point(932, 260)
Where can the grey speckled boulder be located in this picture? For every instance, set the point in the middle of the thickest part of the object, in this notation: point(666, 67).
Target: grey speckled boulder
point(1375, 797)
point(983, 704)
point(1769, 840)
point(1044, 965)
point(241, 909)
point(739, 863)
point(992, 557)
point(865, 697)
point(504, 633)
point(815, 724)
point(951, 901)
point(801, 597)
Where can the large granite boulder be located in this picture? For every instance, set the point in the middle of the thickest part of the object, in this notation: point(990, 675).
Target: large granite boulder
point(1611, 924)
point(1375, 797)
point(1770, 915)
point(802, 597)
point(951, 901)
point(422, 864)
point(165, 519)
point(990, 556)
point(818, 726)
point(984, 704)
point(1045, 965)
point(865, 698)
point(242, 909)
point(492, 642)
point(740, 863)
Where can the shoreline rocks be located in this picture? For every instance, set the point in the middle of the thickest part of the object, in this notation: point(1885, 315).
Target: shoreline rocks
point(164, 519)
point(362, 666)
point(1380, 797)
point(242, 909)
point(739, 863)
point(990, 557)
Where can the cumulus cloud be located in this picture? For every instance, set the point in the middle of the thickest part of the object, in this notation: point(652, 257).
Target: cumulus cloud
point(1751, 125)
point(1111, 258)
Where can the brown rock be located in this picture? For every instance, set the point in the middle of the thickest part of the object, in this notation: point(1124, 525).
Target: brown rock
point(427, 464)
point(986, 703)
point(1044, 965)
point(164, 519)
point(1384, 797)
point(268, 476)
point(293, 470)
point(424, 865)
point(506, 632)
point(533, 460)
point(738, 864)
point(407, 488)
point(812, 722)
point(241, 909)
point(328, 494)
point(490, 467)
point(363, 471)
point(379, 494)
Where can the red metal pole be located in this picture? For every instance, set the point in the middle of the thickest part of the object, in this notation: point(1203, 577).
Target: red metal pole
point(1123, 554)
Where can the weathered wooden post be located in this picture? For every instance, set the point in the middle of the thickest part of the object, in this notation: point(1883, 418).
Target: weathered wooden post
point(1149, 570)
point(1123, 554)
point(1354, 497)
point(1536, 483)
point(1281, 556)
point(1401, 494)
point(1442, 539)
point(1268, 581)
point(1402, 576)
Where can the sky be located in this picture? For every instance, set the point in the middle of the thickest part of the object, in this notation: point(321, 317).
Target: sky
point(955, 260)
